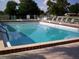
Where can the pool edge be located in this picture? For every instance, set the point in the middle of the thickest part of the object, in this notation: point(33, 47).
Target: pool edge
point(34, 46)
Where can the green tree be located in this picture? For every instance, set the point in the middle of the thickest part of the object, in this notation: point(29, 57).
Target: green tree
point(52, 7)
point(11, 8)
point(58, 8)
point(1, 13)
point(62, 6)
point(62, 3)
point(28, 7)
point(74, 8)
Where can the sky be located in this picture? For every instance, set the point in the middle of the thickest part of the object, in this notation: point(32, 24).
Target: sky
point(41, 3)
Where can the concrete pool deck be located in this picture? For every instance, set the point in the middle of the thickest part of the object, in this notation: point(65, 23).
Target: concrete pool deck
point(1, 41)
point(1, 44)
point(66, 51)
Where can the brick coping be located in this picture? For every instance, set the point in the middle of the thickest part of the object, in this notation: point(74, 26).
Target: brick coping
point(21, 48)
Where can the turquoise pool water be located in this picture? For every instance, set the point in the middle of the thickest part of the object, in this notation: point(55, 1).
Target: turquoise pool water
point(29, 33)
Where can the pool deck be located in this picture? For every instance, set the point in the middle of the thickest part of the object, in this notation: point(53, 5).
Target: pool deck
point(61, 23)
point(66, 51)
point(1, 41)
point(1, 44)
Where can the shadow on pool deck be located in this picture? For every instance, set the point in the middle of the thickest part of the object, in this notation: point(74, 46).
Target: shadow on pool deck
point(65, 52)
point(28, 56)
point(58, 52)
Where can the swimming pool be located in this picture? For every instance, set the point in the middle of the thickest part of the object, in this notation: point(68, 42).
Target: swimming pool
point(21, 33)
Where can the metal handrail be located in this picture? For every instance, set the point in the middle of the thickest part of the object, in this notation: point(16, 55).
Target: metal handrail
point(5, 31)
